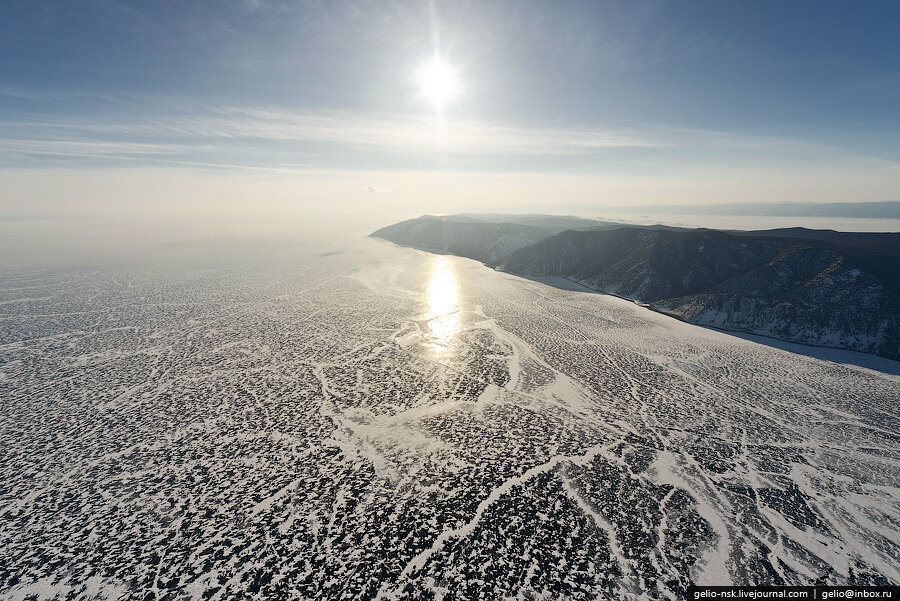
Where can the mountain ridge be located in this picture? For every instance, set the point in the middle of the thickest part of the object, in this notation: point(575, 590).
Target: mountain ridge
point(818, 287)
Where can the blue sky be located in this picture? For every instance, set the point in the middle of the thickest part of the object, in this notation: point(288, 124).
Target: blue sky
point(603, 101)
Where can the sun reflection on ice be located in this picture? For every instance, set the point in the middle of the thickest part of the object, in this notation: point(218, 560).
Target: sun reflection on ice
point(443, 302)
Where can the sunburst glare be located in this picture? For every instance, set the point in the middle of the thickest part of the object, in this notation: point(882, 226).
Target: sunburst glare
point(439, 82)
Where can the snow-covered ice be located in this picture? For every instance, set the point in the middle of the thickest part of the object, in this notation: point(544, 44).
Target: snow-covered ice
point(387, 423)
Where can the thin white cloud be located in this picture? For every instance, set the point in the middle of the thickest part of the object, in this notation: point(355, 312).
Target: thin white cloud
point(258, 138)
point(259, 129)
point(407, 133)
point(88, 149)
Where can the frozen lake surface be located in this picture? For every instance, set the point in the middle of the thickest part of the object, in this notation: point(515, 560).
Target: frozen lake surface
point(364, 421)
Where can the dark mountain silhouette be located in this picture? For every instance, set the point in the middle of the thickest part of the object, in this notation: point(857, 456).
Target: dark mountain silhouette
point(818, 287)
point(465, 236)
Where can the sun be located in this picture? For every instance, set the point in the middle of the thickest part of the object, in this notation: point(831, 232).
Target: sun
point(439, 82)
